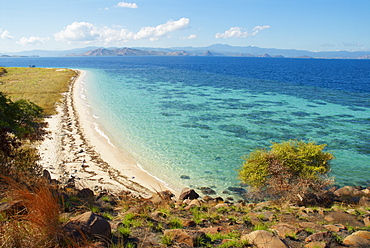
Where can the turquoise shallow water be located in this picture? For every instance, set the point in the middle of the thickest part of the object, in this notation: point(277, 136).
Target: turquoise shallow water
point(176, 129)
point(197, 116)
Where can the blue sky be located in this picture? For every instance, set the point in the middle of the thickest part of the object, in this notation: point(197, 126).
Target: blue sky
point(314, 25)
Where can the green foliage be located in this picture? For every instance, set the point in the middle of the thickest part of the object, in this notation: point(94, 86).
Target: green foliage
point(261, 226)
point(167, 240)
point(107, 216)
point(287, 168)
point(3, 71)
point(20, 124)
point(41, 86)
point(234, 243)
point(306, 160)
point(124, 231)
point(175, 223)
point(94, 209)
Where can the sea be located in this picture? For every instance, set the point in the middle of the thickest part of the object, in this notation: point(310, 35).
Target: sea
point(190, 121)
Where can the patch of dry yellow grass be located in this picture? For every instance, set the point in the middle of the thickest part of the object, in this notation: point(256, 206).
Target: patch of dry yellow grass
point(42, 86)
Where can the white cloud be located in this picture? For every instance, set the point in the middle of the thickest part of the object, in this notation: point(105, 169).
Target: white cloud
point(5, 35)
point(83, 32)
point(127, 5)
point(32, 40)
point(238, 32)
point(153, 33)
point(256, 29)
point(78, 32)
point(190, 37)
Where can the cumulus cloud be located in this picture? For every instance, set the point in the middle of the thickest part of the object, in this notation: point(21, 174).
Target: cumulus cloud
point(153, 33)
point(83, 32)
point(237, 32)
point(5, 34)
point(190, 37)
point(127, 5)
point(32, 40)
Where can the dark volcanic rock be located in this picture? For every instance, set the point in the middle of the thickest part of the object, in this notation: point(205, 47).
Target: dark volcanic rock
point(187, 193)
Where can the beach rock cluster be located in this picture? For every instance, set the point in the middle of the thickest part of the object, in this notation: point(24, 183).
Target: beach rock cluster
point(190, 220)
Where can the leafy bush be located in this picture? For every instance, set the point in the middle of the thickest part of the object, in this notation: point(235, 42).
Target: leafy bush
point(3, 71)
point(20, 125)
point(288, 170)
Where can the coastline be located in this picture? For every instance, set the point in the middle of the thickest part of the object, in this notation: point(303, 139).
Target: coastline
point(75, 150)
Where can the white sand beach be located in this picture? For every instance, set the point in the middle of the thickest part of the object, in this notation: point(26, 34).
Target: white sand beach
point(75, 148)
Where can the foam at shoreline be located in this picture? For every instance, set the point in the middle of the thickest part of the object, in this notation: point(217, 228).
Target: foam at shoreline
point(115, 157)
point(77, 148)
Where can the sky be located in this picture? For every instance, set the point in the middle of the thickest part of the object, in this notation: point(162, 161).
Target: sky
point(314, 25)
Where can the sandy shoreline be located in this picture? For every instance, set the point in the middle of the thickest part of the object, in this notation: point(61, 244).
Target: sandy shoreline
point(75, 150)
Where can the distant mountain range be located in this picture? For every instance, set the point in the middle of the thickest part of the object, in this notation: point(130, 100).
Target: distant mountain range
point(213, 50)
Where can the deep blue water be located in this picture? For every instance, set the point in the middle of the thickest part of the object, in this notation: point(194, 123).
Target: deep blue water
point(197, 116)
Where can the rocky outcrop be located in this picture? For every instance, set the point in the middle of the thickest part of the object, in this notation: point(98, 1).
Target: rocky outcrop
point(263, 239)
point(187, 193)
point(88, 225)
point(190, 238)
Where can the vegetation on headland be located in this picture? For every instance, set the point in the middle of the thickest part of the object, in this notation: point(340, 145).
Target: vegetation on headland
point(42, 86)
point(38, 212)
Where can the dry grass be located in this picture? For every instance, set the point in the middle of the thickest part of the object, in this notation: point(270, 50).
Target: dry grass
point(35, 220)
point(41, 86)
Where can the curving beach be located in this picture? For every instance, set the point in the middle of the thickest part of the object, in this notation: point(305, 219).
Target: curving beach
point(75, 150)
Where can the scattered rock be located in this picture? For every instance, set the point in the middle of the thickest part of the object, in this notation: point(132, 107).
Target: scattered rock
point(262, 205)
point(319, 237)
point(237, 190)
point(356, 241)
point(343, 218)
point(333, 228)
point(187, 237)
point(364, 201)
point(88, 225)
point(363, 234)
point(46, 175)
point(193, 203)
point(85, 193)
point(207, 191)
point(207, 198)
point(348, 194)
point(189, 223)
point(367, 221)
point(284, 229)
point(263, 239)
point(162, 197)
point(211, 230)
point(187, 193)
point(366, 192)
point(325, 199)
point(315, 245)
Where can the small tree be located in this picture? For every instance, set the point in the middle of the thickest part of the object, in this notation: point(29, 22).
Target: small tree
point(288, 170)
point(20, 125)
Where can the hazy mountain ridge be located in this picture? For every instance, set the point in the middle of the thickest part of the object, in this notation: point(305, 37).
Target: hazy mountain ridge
point(212, 50)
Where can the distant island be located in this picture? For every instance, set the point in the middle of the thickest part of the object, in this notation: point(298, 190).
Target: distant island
point(212, 50)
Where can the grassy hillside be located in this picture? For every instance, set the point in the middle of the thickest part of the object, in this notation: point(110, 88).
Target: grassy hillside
point(41, 86)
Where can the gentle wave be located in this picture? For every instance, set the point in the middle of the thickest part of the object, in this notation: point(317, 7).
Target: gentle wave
point(156, 178)
point(103, 134)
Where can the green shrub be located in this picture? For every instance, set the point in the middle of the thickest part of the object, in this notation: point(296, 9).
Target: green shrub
point(3, 71)
point(287, 169)
point(175, 223)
